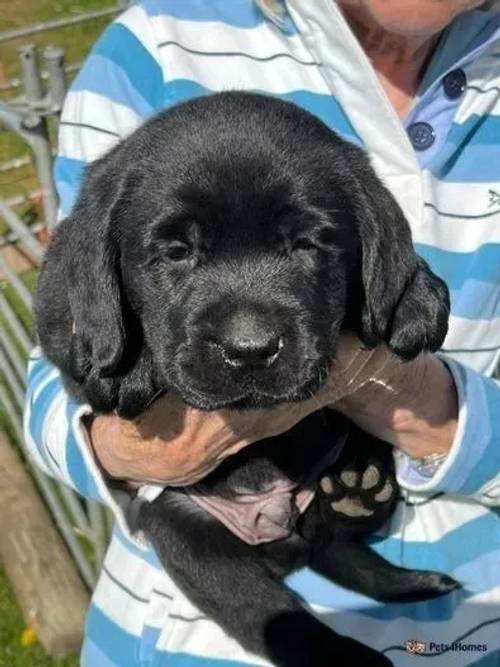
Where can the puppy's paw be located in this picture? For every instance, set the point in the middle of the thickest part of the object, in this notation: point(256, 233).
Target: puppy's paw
point(420, 321)
point(410, 586)
point(425, 585)
point(358, 496)
point(355, 493)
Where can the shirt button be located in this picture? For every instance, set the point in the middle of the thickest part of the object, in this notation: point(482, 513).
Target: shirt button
point(454, 83)
point(422, 135)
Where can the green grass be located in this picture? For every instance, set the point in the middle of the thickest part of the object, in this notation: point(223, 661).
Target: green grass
point(12, 652)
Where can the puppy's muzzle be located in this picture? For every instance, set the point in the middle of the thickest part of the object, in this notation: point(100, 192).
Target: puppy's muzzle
point(248, 340)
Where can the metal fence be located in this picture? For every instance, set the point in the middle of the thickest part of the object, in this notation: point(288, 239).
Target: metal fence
point(43, 26)
point(84, 525)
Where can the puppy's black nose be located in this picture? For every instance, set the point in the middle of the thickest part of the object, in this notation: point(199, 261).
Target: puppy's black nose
point(248, 341)
point(251, 351)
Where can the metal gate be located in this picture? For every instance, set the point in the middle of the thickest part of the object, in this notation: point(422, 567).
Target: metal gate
point(84, 525)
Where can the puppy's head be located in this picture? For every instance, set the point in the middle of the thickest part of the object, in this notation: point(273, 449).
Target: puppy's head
point(219, 250)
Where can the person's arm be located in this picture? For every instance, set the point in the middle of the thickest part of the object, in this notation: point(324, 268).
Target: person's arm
point(429, 406)
point(472, 467)
point(412, 405)
point(174, 444)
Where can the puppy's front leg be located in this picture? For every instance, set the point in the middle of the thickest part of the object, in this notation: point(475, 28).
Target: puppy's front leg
point(229, 581)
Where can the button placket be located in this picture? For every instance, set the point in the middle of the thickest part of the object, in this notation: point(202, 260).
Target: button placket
point(422, 133)
point(327, 37)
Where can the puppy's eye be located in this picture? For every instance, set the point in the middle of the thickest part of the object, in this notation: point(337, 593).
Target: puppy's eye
point(322, 238)
point(178, 251)
point(303, 244)
point(327, 236)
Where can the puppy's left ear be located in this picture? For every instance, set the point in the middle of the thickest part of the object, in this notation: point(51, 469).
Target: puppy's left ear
point(406, 305)
point(79, 301)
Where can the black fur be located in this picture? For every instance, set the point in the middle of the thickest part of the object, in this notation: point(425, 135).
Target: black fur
point(217, 253)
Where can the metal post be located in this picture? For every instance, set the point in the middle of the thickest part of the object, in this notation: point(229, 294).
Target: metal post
point(22, 291)
point(40, 143)
point(9, 315)
point(36, 127)
point(15, 357)
point(11, 380)
point(32, 82)
point(30, 243)
point(54, 62)
point(75, 506)
point(31, 128)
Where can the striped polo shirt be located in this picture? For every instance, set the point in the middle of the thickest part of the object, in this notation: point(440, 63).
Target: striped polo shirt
point(443, 166)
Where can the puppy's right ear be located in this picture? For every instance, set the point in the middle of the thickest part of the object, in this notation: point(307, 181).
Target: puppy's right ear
point(405, 305)
point(78, 303)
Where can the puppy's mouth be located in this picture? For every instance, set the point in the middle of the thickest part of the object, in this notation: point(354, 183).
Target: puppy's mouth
point(249, 395)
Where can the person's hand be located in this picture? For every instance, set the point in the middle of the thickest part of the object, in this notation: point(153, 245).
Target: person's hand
point(412, 405)
point(172, 443)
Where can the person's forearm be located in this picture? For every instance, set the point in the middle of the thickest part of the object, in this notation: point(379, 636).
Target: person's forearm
point(415, 408)
point(174, 444)
point(164, 445)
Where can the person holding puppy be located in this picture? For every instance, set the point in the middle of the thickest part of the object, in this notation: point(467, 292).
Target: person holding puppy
point(415, 86)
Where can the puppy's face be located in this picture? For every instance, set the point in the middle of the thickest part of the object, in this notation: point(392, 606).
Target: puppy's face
point(218, 251)
point(240, 279)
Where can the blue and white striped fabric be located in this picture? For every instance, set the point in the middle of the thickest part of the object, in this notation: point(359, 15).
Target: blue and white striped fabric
point(163, 51)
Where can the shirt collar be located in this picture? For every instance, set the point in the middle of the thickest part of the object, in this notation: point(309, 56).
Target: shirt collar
point(469, 35)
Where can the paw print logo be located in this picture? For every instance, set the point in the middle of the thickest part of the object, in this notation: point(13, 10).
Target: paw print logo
point(414, 646)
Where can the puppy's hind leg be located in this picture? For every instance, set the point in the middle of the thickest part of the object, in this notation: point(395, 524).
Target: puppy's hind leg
point(358, 568)
point(229, 582)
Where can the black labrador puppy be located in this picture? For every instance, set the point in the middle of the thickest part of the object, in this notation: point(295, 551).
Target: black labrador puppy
point(217, 253)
